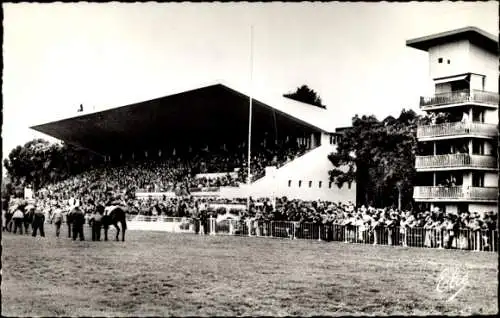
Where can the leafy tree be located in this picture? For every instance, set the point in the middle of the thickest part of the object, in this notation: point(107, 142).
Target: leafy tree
point(306, 95)
point(379, 156)
point(39, 162)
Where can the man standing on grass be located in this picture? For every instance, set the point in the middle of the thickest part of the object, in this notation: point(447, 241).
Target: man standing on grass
point(97, 223)
point(57, 218)
point(38, 221)
point(78, 220)
point(18, 218)
point(67, 216)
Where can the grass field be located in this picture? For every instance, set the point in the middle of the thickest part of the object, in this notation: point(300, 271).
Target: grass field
point(163, 274)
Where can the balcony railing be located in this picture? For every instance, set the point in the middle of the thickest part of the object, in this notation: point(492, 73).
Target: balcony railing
point(457, 128)
point(460, 193)
point(461, 96)
point(455, 161)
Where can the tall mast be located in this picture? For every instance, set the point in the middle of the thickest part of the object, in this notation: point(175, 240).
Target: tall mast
point(249, 178)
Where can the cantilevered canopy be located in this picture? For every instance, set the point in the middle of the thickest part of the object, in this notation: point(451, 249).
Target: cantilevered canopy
point(198, 116)
point(474, 35)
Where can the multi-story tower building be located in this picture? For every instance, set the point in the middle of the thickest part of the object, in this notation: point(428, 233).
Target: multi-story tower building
point(457, 164)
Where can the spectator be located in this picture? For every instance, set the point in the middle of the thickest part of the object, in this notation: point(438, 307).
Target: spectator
point(57, 218)
point(18, 218)
point(38, 220)
point(97, 223)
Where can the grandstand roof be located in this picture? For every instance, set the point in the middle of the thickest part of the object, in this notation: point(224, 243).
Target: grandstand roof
point(210, 112)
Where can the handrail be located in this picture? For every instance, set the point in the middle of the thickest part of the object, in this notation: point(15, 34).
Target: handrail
point(455, 160)
point(153, 218)
point(456, 192)
point(460, 96)
point(457, 128)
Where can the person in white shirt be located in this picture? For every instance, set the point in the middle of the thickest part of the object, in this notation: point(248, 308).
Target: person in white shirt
point(57, 218)
point(18, 218)
point(465, 121)
point(465, 117)
point(360, 224)
point(402, 231)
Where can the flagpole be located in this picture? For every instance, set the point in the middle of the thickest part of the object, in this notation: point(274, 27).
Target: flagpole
point(250, 119)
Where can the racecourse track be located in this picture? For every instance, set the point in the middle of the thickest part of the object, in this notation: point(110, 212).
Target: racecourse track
point(161, 274)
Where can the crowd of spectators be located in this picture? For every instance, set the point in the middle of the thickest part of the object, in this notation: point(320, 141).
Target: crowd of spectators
point(348, 214)
point(283, 209)
point(177, 172)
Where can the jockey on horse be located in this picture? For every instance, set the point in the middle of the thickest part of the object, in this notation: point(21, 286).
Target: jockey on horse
point(115, 212)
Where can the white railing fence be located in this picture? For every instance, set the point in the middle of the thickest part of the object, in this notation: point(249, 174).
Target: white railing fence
point(464, 239)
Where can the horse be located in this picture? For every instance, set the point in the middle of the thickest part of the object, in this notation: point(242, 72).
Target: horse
point(112, 216)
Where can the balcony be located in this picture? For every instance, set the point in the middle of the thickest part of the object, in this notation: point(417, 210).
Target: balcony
point(454, 162)
point(460, 97)
point(449, 194)
point(457, 129)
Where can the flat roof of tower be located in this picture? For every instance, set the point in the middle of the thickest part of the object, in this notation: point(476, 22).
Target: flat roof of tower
point(473, 34)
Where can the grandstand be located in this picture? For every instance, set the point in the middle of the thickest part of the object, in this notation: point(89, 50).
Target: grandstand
point(205, 130)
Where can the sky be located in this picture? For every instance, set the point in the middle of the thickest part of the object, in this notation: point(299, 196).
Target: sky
point(58, 56)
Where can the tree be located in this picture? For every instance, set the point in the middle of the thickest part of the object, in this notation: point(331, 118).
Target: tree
point(306, 95)
point(39, 162)
point(379, 156)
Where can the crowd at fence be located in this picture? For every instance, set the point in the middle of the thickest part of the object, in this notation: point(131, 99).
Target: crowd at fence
point(329, 221)
point(463, 239)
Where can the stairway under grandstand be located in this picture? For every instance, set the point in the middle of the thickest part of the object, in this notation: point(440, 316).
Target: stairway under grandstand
point(195, 142)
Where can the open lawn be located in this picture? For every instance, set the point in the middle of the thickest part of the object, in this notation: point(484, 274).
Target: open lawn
point(156, 273)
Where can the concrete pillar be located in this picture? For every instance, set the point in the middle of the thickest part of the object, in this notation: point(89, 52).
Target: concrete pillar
point(434, 148)
point(470, 146)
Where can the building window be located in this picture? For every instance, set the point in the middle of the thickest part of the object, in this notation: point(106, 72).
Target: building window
point(330, 185)
point(440, 60)
point(349, 185)
point(478, 179)
point(300, 183)
point(319, 184)
point(334, 139)
point(448, 61)
point(289, 183)
point(310, 184)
